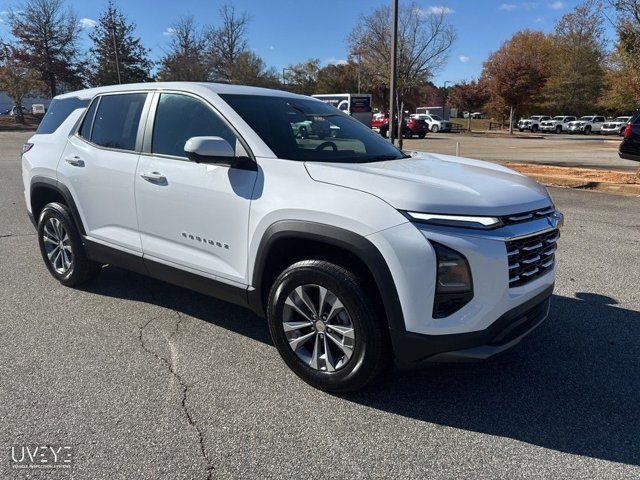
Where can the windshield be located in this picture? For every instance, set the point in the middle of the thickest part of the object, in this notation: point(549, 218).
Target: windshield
point(307, 129)
point(436, 117)
point(536, 118)
point(558, 118)
point(623, 119)
point(586, 118)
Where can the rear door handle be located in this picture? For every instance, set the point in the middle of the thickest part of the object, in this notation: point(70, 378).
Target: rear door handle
point(154, 177)
point(75, 160)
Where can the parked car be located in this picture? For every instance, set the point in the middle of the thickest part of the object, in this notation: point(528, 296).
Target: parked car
point(588, 124)
point(378, 120)
point(14, 111)
point(38, 109)
point(317, 128)
point(410, 127)
point(556, 124)
point(616, 126)
point(532, 123)
point(630, 146)
point(435, 122)
point(357, 253)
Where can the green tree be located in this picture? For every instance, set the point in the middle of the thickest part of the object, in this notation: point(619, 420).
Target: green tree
point(516, 73)
point(338, 78)
point(118, 54)
point(577, 74)
point(47, 39)
point(184, 60)
point(17, 78)
point(302, 77)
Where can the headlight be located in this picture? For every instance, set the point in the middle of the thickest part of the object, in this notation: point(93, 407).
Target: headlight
point(464, 221)
point(454, 286)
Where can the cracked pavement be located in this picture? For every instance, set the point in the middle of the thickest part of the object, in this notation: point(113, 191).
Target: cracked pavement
point(150, 381)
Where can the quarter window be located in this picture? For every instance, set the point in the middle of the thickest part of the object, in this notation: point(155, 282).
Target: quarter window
point(180, 117)
point(59, 111)
point(116, 120)
point(87, 123)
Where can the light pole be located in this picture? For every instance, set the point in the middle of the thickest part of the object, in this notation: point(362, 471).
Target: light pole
point(394, 70)
point(444, 99)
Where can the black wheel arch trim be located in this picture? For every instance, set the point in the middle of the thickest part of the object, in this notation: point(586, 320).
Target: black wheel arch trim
point(55, 185)
point(349, 241)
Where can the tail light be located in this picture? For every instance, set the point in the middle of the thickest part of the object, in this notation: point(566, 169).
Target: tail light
point(26, 147)
point(627, 131)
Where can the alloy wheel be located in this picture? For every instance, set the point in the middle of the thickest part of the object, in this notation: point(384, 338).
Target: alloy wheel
point(318, 328)
point(57, 245)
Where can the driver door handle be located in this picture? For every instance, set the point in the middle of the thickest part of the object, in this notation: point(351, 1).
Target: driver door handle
point(154, 177)
point(75, 160)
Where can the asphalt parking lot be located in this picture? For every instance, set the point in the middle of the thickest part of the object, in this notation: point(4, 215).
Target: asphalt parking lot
point(594, 151)
point(148, 381)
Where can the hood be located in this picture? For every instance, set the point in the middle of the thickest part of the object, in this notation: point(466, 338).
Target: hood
point(438, 184)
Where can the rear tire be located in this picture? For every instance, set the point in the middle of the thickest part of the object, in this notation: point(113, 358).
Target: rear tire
point(534, 129)
point(422, 135)
point(408, 134)
point(587, 130)
point(558, 130)
point(62, 248)
point(301, 299)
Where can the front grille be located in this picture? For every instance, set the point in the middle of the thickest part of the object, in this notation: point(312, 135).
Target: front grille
point(531, 257)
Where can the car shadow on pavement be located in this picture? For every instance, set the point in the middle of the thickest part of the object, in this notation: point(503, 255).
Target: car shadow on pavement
point(118, 283)
point(573, 385)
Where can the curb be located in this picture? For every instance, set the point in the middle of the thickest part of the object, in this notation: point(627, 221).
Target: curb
point(627, 188)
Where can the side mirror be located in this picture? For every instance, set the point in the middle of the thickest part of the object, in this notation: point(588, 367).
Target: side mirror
point(217, 151)
point(209, 150)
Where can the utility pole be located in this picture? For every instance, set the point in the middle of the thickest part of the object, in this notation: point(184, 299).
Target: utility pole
point(394, 70)
point(115, 47)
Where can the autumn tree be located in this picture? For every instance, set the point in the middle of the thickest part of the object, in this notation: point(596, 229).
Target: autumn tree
point(424, 41)
point(249, 69)
point(469, 96)
point(577, 73)
point(17, 78)
point(622, 94)
point(516, 73)
point(117, 53)
point(46, 34)
point(228, 41)
point(184, 59)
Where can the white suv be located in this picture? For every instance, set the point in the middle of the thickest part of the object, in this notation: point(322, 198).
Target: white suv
point(435, 122)
point(354, 251)
point(532, 123)
point(588, 124)
point(556, 124)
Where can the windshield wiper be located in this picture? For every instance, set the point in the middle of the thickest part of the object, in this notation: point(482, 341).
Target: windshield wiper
point(386, 157)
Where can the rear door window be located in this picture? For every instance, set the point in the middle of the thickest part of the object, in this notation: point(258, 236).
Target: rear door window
point(116, 120)
point(59, 111)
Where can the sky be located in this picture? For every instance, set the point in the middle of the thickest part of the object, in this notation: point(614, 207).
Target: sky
point(283, 32)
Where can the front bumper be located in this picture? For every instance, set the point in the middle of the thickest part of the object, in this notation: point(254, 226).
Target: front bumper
point(411, 350)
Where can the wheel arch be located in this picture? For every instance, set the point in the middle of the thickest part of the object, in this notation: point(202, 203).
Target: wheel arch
point(287, 241)
point(44, 190)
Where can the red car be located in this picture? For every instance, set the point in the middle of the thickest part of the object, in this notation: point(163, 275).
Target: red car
point(410, 126)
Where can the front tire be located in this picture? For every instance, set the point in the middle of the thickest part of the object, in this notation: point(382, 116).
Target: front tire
point(61, 247)
point(408, 133)
point(434, 128)
point(558, 130)
point(587, 130)
point(534, 129)
point(325, 327)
